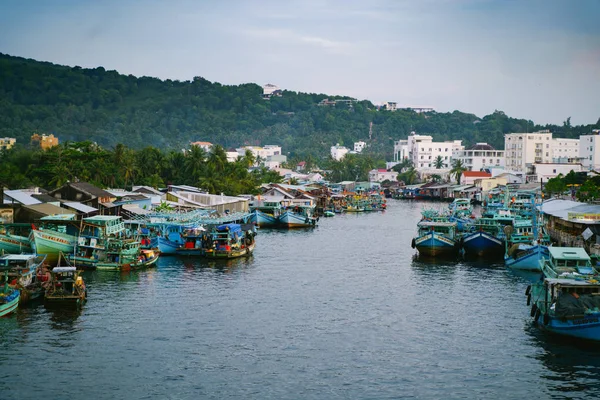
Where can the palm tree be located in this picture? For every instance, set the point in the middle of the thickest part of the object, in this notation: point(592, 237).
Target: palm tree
point(195, 163)
point(405, 164)
point(457, 170)
point(439, 162)
point(410, 176)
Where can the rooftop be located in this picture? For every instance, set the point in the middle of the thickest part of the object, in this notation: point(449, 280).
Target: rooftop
point(481, 146)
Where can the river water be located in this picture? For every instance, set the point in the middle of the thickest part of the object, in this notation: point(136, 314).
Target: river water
point(341, 311)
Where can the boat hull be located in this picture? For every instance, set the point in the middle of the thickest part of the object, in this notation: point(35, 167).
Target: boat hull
point(528, 261)
point(13, 244)
point(482, 244)
point(11, 306)
point(52, 244)
point(587, 327)
point(293, 220)
point(226, 255)
point(434, 244)
point(167, 247)
point(264, 220)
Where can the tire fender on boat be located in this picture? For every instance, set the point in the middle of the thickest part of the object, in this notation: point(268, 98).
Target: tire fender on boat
point(546, 319)
point(528, 290)
point(533, 310)
point(536, 316)
point(412, 243)
point(528, 299)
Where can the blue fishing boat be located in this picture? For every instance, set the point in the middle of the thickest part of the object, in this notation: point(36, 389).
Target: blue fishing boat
point(24, 272)
point(567, 300)
point(231, 241)
point(526, 245)
point(265, 214)
point(461, 208)
point(298, 217)
point(14, 238)
point(9, 296)
point(485, 238)
point(436, 238)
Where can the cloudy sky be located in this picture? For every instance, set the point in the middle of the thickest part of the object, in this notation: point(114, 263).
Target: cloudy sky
point(536, 59)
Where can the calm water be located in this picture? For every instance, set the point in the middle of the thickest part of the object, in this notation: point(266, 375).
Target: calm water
point(342, 311)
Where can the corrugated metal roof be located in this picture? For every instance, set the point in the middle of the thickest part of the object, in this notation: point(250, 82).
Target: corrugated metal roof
point(21, 197)
point(49, 209)
point(80, 207)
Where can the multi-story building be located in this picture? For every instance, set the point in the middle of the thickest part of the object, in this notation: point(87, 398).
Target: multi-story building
point(359, 146)
point(400, 150)
point(565, 150)
point(589, 150)
point(524, 149)
point(380, 175)
point(423, 151)
point(270, 90)
point(262, 152)
point(44, 141)
point(391, 105)
point(338, 152)
point(7, 142)
point(480, 156)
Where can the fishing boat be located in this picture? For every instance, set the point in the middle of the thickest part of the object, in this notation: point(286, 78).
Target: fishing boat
point(24, 271)
point(461, 208)
point(298, 217)
point(328, 213)
point(9, 296)
point(265, 214)
point(231, 241)
point(14, 238)
point(485, 238)
point(170, 239)
point(196, 241)
point(526, 245)
point(567, 300)
point(65, 288)
point(436, 238)
point(55, 234)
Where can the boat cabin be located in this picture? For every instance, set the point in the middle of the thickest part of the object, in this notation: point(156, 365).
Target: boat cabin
point(570, 260)
point(102, 226)
point(444, 228)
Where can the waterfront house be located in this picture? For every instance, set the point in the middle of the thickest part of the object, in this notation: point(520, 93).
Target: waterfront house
point(85, 193)
point(469, 177)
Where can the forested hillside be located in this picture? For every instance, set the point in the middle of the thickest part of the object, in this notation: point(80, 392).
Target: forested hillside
point(78, 104)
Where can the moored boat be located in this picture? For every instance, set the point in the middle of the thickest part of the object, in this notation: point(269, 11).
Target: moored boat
point(65, 288)
point(485, 238)
point(24, 272)
point(231, 241)
point(567, 300)
point(298, 217)
point(56, 234)
point(436, 238)
point(9, 296)
point(14, 238)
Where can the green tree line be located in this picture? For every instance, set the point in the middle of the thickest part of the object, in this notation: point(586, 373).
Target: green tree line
point(108, 108)
point(123, 167)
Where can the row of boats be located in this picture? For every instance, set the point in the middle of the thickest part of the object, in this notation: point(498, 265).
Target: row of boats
point(509, 226)
point(566, 297)
point(44, 260)
point(271, 213)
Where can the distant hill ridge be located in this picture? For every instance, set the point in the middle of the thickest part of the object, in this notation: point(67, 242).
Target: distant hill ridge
point(77, 104)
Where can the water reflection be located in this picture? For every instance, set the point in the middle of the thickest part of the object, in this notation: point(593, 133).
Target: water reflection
point(64, 319)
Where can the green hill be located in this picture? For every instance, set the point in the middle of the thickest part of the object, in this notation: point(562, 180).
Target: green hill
point(106, 107)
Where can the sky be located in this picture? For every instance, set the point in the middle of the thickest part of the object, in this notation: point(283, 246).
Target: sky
point(534, 59)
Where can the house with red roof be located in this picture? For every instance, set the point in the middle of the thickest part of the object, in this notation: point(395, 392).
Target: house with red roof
point(382, 174)
point(469, 177)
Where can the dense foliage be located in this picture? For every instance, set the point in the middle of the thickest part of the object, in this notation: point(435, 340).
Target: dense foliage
point(124, 167)
point(108, 108)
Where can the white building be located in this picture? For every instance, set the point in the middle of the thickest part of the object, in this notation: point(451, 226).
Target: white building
point(589, 150)
point(552, 170)
point(203, 145)
point(359, 146)
point(380, 175)
point(270, 90)
point(480, 156)
point(400, 150)
point(232, 155)
point(338, 152)
point(390, 105)
point(423, 151)
point(565, 150)
point(262, 152)
point(524, 149)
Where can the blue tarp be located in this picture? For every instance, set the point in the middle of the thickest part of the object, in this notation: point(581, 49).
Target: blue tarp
point(229, 227)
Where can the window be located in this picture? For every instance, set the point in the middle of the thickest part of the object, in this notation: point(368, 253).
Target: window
point(546, 154)
point(553, 171)
point(547, 146)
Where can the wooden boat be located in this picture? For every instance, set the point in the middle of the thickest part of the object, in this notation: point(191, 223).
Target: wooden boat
point(196, 240)
point(461, 208)
point(567, 300)
point(526, 245)
point(14, 238)
point(65, 288)
point(328, 213)
point(265, 214)
point(9, 297)
point(24, 271)
point(55, 234)
point(298, 217)
point(436, 238)
point(118, 255)
point(231, 241)
point(485, 238)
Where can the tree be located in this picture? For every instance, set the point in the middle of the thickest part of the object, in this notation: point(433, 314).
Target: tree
point(439, 162)
point(409, 176)
point(403, 165)
point(457, 170)
point(435, 178)
point(555, 185)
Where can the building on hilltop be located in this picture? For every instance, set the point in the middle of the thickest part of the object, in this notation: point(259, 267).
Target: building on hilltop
point(270, 90)
point(206, 146)
point(381, 174)
point(7, 143)
point(43, 141)
point(480, 156)
point(359, 146)
point(338, 152)
point(390, 105)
